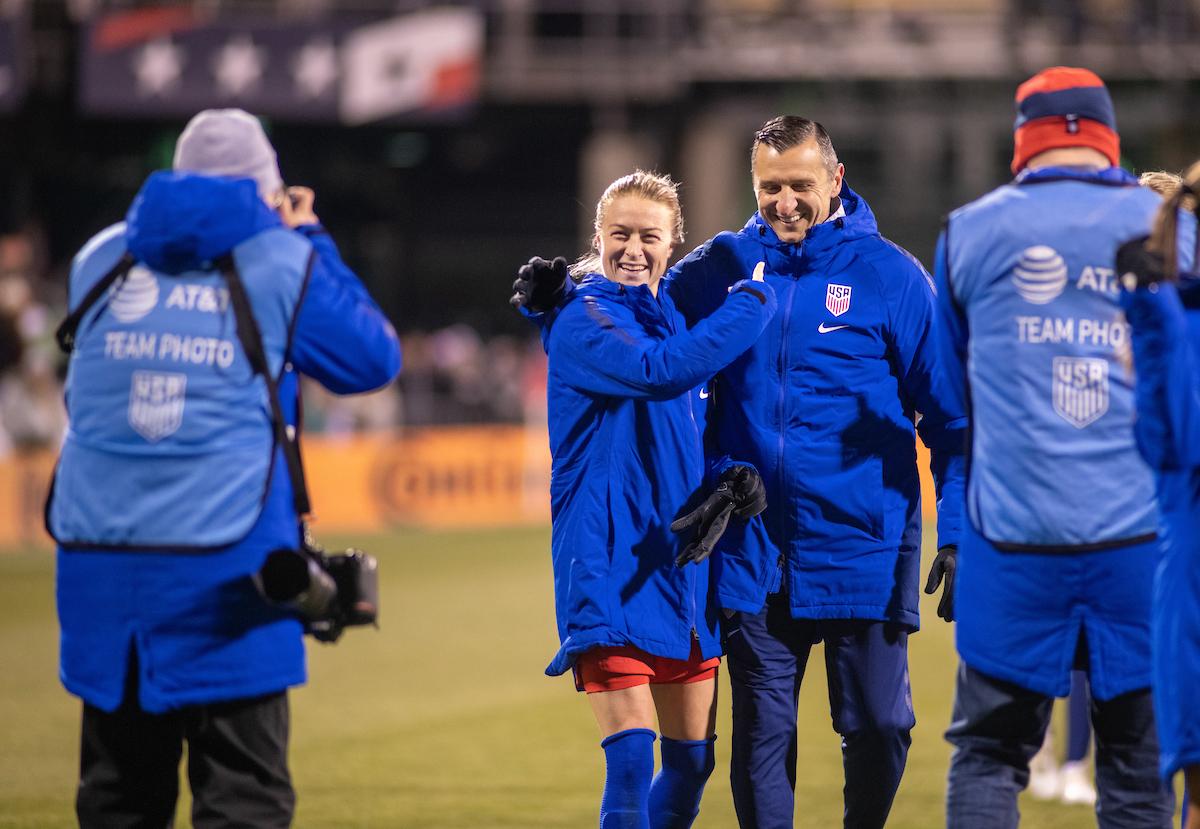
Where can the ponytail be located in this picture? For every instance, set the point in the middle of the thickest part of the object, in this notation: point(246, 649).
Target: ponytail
point(1166, 223)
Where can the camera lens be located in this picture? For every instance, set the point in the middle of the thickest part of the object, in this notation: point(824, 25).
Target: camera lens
point(291, 577)
point(284, 575)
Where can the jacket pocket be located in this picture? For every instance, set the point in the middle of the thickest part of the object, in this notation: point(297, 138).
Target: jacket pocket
point(852, 501)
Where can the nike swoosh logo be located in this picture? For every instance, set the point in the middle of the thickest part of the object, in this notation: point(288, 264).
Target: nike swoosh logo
point(703, 394)
point(825, 329)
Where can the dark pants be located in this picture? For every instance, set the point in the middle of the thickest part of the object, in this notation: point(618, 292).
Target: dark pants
point(997, 727)
point(869, 698)
point(1079, 725)
point(237, 765)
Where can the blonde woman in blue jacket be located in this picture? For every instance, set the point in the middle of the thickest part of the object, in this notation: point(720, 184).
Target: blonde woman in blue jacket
point(626, 401)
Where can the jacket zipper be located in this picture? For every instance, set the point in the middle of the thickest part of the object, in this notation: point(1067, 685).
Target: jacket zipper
point(691, 575)
point(783, 379)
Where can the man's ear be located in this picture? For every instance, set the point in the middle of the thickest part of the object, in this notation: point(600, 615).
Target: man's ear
point(837, 180)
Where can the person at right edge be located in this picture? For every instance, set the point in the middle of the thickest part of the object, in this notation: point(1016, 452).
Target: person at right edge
point(1163, 308)
point(175, 480)
point(1061, 537)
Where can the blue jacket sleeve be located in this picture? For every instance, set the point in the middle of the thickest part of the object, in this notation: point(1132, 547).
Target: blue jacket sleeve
point(597, 347)
point(698, 282)
point(545, 320)
point(1168, 378)
point(923, 380)
point(950, 330)
point(341, 338)
point(1166, 363)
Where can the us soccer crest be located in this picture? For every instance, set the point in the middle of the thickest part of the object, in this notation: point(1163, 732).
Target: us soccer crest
point(156, 401)
point(1080, 389)
point(837, 299)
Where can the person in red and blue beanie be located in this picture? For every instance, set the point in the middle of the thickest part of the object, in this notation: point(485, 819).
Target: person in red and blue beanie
point(1061, 540)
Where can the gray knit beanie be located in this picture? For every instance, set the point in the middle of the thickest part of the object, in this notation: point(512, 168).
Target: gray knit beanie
point(229, 142)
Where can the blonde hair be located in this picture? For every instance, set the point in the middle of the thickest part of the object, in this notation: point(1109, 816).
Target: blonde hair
point(650, 186)
point(1161, 182)
point(1166, 224)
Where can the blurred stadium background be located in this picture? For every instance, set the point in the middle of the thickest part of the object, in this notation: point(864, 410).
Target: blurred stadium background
point(447, 143)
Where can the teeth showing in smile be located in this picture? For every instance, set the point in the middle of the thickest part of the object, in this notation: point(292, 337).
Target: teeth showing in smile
point(631, 268)
point(790, 219)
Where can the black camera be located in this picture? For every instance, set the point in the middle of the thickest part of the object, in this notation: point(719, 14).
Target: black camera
point(329, 591)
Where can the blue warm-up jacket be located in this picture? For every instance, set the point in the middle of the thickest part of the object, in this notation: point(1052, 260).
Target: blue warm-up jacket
point(623, 388)
point(164, 413)
point(1166, 356)
point(823, 405)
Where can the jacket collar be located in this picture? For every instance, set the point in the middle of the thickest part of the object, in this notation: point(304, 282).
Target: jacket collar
point(858, 222)
point(1111, 176)
point(650, 310)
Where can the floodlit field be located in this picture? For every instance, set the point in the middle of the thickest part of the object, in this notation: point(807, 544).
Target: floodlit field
point(443, 717)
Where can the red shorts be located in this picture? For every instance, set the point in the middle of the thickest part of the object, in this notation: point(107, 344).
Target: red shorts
point(613, 669)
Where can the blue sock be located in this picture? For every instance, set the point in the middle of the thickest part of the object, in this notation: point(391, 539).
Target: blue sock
point(675, 793)
point(629, 760)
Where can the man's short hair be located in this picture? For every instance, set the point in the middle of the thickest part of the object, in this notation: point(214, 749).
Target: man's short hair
point(786, 131)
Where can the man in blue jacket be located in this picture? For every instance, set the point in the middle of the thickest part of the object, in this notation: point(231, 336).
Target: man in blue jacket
point(1060, 547)
point(171, 488)
point(823, 405)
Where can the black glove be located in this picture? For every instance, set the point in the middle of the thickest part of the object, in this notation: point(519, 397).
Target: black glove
point(1148, 268)
point(943, 567)
point(740, 493)
point(539, 285)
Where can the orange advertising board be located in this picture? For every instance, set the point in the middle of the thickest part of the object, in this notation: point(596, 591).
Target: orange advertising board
point(24, 482)
point(469, 476)
point(436, 477)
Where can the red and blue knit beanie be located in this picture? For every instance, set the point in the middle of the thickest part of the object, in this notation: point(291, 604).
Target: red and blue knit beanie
point(1064, 107)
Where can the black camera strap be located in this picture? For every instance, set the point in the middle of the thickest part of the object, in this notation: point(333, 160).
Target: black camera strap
point(251, 338)
point(65, 333)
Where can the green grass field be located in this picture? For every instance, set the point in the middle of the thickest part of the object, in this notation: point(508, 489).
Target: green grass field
point(443, 717)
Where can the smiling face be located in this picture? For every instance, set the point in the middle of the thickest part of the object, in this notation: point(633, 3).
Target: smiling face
point(794, 188)
point(634, 240)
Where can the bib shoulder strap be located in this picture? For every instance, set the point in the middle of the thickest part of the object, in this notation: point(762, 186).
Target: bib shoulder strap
point(65, 334)
point(250, 336)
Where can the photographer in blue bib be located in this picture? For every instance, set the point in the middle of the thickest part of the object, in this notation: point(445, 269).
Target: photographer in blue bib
point(1057, 558)
point(179, 497)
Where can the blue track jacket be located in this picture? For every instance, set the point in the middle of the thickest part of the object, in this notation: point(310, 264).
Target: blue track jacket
point(824, 405)
point(628, 459)
point(197, 626)
point(1166, 355)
